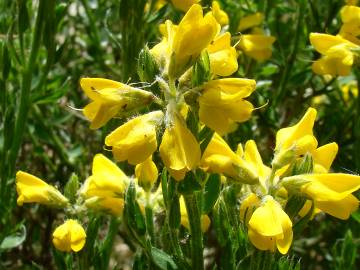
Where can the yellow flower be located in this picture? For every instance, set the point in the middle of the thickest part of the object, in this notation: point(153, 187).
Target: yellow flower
point(179, 149)
point(184, 5)
point(193, 34)
point(163, 50)
point(324, 156)
point(351, 2)
point(257, 46)
point(350, 30)
point(252, 157)
point(205, 220)
point(146, 173)
point(295, 140)
point(135, 140)
point(105, 188)
point(250, 21)
point(246, 167)
point(255, 43)
point(248, 206)
point(270, 227)
point(338, 56)
point(178, 48)
point(223, 57)
point(69, 236)
point(110, 98)
point(158, 5)
point(31, 189)
point(219, 158)
point(307, 207)
point(350, 89)
point(220, 15)
point(222, 103)
point(331, 192)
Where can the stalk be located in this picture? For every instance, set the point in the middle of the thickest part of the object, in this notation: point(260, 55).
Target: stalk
point(25, 99)
point(357, 126)
point(292, 58)
point(194, 217)
point(149, 218)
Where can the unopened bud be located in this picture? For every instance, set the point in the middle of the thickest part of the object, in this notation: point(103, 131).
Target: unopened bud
point(283, 158)
point(294, 183)
point(245, 173)
point(303, 165)
point(147, 68)
point(201, 70)
point(56, 198)
point(146, 173)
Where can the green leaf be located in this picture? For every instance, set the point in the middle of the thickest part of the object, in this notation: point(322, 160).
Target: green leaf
point(345, 252)
point(192, 122)
point(5, 62)
point(107, 244)
point(147, 67)
point(212, 191)
point(220, 223)
point(356, 216)
point(301, 224)
point(201, 70)
point(133, 214)
point(72, 187)
point(294, 205)
point(164, 185)
point(163, 260)
point(23, 18)
point(14, 240)
point(140, 262)
point(206, 135)
point(174, 214)
point(189, 184)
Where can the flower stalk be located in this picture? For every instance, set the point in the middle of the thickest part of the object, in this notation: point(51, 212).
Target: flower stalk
point(192, 208)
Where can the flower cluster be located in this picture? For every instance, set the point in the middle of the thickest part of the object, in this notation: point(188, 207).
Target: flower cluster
point(299, 168)
point(340, 52)
point(176, 120)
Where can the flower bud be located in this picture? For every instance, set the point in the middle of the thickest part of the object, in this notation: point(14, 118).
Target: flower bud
point(245, 173)
point(31, 189)
point(104, 189)
point(135, 140)
point(201, 70)
point(146, 173)
point(294, 183)
point(69, 236)
point(110, 98)
point(185, 49)
point(303, 165)
point(283, 158)
point(147, 67)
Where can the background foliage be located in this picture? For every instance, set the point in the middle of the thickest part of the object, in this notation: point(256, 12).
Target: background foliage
point(47, 46)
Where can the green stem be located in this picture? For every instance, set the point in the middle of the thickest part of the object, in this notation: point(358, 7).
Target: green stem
point(173, 232)
point(174, 239)
point(194, 217)
point(149, 219)
point(24, 105)
point(357, 126)
point(291, 60)
point(94, 35)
